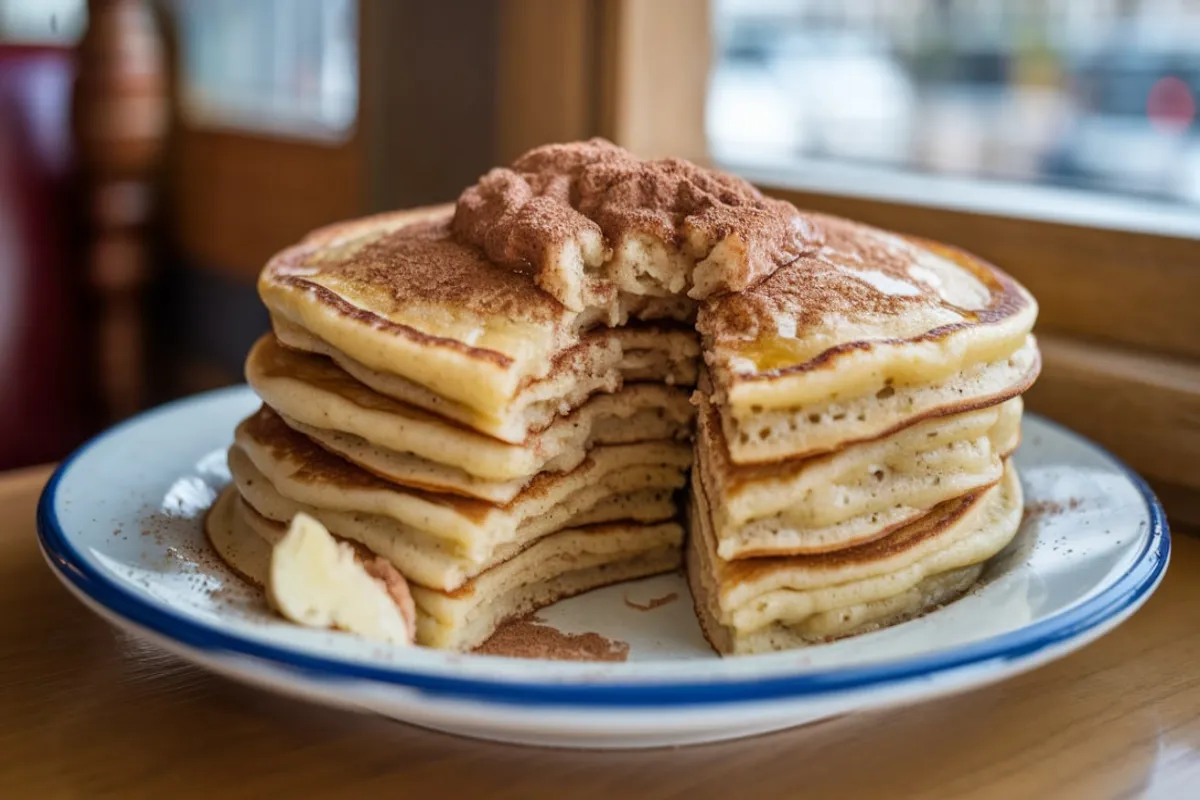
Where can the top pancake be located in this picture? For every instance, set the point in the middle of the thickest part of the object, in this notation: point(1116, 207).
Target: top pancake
point(397, 293)
point(870, 309)
point(603, 361)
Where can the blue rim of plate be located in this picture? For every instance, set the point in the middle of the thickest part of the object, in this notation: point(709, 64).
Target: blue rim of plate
point(1127, 592)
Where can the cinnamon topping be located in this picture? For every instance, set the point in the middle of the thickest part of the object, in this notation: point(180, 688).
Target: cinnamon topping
point(588, 218)
point(531, 637)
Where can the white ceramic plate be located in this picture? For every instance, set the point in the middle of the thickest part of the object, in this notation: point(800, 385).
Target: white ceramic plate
point(120, 524)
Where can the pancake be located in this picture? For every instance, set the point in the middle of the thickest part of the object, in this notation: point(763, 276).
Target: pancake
point(400, 295)
point(758, 604)
point(559, 566)
point(602, 361)
point(859, 493)
point(647, 426)
point(831, 338)
point(427, 560)
point(445, 557)
point(231, 538)
point(769, 435)
point(412, 446)
point(308, 474)
point(927, 595)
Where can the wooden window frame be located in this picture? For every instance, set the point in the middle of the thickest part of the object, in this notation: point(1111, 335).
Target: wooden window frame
point(633, 71)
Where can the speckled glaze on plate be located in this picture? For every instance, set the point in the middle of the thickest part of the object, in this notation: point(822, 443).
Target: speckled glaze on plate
point(120, 524)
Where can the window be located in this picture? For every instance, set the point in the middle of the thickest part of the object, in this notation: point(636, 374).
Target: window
point(1098, 95)
point(284, 67)
point(59, 22)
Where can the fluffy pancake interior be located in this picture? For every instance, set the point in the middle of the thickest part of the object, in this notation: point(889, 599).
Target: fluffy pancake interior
point(748, 595)
point(315, 393)
point(929, 594)
point(602, 361)
point(309, 474)
point(857, 493)
point(760, 435)
point(430, 558)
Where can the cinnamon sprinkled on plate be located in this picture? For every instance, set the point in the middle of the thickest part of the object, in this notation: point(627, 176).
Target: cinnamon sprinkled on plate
point(529, 637)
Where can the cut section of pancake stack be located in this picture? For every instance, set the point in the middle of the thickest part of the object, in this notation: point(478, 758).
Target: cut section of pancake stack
point(498, 398)
point(493, 486)
point(854, 432)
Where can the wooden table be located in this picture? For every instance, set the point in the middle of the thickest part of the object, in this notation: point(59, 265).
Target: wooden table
point(87, 712)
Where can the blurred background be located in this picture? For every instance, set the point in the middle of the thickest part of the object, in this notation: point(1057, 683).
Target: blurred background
point(154, 153)
point(1093, 94)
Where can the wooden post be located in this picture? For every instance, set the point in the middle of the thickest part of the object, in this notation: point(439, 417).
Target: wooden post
point(634, 71)
point(120, 124)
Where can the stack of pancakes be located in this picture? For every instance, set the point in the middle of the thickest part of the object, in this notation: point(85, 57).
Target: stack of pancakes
point(853, 440)
point(496, 397)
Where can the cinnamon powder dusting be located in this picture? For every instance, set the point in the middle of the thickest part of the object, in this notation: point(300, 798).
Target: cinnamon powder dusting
point(529, 637)
point(594, 191)
point(1050, 508)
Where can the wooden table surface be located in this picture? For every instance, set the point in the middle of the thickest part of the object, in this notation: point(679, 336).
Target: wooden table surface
point(87, 712)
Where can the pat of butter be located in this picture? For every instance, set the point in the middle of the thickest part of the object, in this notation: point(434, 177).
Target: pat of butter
point(316, 581)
